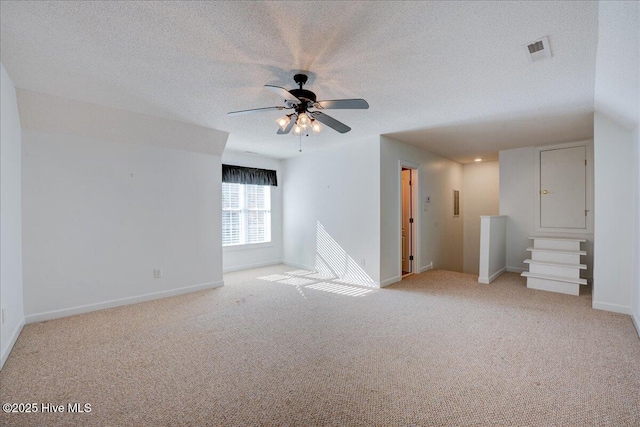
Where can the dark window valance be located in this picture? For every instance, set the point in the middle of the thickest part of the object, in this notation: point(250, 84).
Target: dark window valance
point(242, 175)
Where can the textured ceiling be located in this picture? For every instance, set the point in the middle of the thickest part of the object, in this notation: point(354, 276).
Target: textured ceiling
point(451, 77)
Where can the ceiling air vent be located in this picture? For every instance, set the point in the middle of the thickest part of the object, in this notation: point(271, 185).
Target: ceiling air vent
point(538, 50)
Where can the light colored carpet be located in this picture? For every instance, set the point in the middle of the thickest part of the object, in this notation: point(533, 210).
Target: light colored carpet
point(436, 349)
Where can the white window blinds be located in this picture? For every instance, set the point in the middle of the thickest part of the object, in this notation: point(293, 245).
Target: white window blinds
point(246, 214)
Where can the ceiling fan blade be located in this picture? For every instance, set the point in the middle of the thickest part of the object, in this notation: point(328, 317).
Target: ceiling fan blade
point(289, 126)
point(330, 121)
point(283, 93)
point(344, 104)
point(253, 110)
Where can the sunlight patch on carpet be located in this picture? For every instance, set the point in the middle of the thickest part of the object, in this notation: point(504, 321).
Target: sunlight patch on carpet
point(274, 277)
point(320, 281)
point(299, 272)
point(340, 289)
point(298, 281)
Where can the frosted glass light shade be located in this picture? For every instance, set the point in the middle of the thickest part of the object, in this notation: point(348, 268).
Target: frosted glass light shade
point(283, 122)
point(303, 121)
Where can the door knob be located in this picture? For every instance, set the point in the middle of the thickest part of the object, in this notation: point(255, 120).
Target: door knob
point(545, 192)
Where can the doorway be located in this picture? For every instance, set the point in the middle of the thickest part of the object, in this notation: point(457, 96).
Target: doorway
point(406, 243)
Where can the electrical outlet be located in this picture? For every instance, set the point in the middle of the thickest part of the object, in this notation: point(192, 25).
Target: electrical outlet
point(157, 273)
point(363, 262)
point(3, 316)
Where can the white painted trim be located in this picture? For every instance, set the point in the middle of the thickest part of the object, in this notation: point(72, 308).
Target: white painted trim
point(560, 239)
point(250, 266)
point(415, 213)
point(558, 251)
point(65, 312)
point(497, 274)
point(588, 231)
point(550, 285)
point(636, 323)
point(14, 337)
point(574, 280)
point(297, 265)
point(515, 269)
point(616, 308)
point(556, 264)
point(494, 276)
point(390, 281)
point(408, 164)
point(427, 267)
point(247, 246)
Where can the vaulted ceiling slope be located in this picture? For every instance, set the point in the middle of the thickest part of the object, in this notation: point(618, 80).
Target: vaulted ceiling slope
point(451, 77)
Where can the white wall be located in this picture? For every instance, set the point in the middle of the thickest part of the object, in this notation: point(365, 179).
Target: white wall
point(250, 256)
point(480, 196)
point(615, 145)
point(614, 247)
point(10, 218)
point(55, 114)
point(100, 215)
point(493, 246)
point(440, 235)
point(331, 210)
point(518, 194)
point(636, 262)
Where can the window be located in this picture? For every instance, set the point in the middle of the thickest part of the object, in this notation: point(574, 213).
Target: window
point(246, 214)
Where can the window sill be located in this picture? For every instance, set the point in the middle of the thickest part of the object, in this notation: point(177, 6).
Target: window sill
point(247, 246)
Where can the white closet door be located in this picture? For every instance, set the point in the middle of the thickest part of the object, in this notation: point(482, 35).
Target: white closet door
point(563, 175)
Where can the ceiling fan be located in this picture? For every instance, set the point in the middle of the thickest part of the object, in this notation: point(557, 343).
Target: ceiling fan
point(302, 120)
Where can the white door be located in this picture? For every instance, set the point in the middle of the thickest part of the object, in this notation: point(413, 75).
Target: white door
point(406, 225)
point(563, 178)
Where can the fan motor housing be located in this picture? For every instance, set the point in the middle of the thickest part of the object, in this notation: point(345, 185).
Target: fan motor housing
point(303, 94)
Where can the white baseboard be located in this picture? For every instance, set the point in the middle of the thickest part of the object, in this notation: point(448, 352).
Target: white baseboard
point(616, 308)
point(250, 266)
point(56, 314)
point(636, 323)
point(494, 276)
point(427, 267)
point(390, 281)
point(14, 337)
point(515, 269)
point(296, 265)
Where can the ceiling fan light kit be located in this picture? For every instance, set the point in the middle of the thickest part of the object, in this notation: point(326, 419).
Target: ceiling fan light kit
point(302, 120)
point(283, 122)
